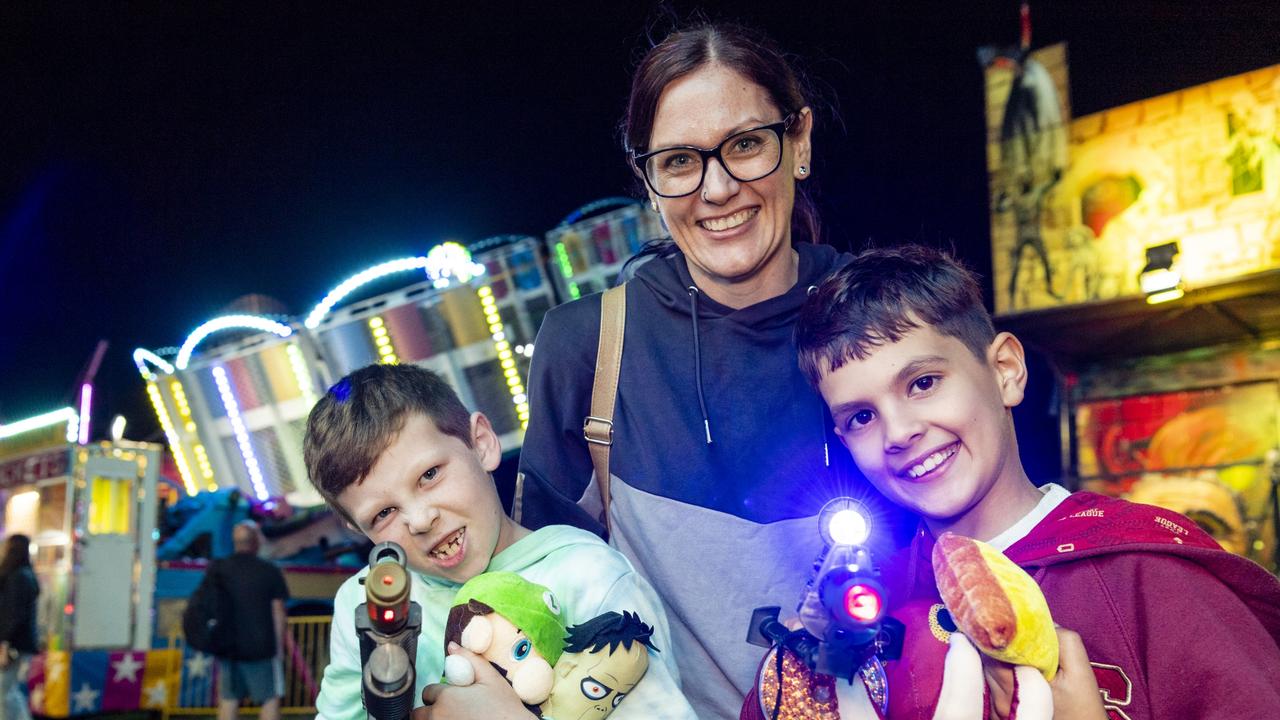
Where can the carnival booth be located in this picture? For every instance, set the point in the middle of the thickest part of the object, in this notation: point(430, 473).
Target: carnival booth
point(589, 247)
point(1139, 248)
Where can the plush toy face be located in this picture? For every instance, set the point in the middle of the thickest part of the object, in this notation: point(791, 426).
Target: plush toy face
point(590, 684)
point(495, 639)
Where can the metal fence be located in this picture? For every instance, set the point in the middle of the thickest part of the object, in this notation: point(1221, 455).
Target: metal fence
point(306, 654)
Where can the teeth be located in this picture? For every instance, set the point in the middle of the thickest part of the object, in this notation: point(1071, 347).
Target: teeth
point(449, 546)
point(931, 462)
point(726, 223)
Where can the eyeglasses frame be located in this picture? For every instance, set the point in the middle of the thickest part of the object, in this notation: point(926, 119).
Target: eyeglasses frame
point(779, 128)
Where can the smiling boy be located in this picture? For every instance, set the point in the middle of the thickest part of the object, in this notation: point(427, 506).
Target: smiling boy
point(395, 453)
point(921, 389)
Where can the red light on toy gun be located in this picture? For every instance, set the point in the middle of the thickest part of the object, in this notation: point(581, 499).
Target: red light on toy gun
point(388, 615)
point(863, 603)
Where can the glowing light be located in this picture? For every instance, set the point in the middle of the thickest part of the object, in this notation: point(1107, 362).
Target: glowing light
point(1165, 296)
point(66, 415)
point(86, 405)
point(141, 358)
point(566, 269)
point(450, 261)
point(300, 374)
point(117, 428)
point(503, 348)
point(240, 431)
point(382, 339)
point(848, 527)
point(180, 399)
point(388, 615)
point(175, 447)
point(227, 322)
point(863, 603)
point(202, 459)
point(351, 284)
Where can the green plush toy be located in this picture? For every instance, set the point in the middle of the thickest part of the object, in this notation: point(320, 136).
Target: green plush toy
point(513, 623)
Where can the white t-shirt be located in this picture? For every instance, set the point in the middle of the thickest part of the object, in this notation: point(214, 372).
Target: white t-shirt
point(1054, 494)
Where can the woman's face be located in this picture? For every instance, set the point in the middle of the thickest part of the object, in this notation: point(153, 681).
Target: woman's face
point(731, 232)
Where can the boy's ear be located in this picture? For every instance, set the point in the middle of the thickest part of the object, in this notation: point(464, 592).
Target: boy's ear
point(484, 441)
point(1008, 359)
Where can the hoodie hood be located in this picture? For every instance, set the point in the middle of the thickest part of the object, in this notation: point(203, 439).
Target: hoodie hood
point(669, 280)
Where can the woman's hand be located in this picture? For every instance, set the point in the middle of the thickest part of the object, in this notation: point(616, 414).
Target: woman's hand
point(490, 696)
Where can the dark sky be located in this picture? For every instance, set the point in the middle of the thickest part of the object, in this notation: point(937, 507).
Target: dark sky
point(157, 161)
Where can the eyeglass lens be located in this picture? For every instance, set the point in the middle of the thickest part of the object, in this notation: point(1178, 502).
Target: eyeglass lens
point(746, 156)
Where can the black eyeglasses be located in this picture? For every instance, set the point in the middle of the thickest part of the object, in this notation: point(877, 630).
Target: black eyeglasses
point(749, 155)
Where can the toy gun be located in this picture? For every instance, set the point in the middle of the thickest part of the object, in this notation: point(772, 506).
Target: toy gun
point(850, 628)
point(387, 623)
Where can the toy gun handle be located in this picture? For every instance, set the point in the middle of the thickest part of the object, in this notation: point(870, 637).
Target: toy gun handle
point(388, 623)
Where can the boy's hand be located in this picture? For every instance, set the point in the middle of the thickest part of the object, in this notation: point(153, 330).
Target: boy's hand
point(1075, 690)
point(490, 696)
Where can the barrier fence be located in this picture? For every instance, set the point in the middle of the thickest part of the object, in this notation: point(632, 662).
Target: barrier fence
point(306, 654)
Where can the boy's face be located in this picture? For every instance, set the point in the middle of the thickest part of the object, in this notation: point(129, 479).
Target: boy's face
point(434, 496)
point(927, 422)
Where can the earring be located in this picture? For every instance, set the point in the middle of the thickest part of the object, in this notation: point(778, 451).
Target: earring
point(803, 170)
point(653, 204)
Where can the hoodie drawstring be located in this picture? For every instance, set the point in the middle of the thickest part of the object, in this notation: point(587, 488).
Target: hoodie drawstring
point(822, 412)
point(697, 360)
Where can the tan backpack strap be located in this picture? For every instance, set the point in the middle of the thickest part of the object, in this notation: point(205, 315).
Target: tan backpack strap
point(597, 428)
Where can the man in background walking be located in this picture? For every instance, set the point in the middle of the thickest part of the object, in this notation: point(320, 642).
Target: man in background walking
point(257, 591)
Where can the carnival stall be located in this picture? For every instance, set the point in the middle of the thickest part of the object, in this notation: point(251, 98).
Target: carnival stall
point(1139, 248)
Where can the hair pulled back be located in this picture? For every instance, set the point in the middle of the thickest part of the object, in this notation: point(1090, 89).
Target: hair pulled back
point(744, 50)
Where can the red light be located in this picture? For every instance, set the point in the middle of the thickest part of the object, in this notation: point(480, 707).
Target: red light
point(863, 603)
point(388, 615)
point(387, 580)
point(69, 609)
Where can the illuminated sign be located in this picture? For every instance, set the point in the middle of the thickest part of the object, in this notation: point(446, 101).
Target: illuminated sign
point(1076, 204)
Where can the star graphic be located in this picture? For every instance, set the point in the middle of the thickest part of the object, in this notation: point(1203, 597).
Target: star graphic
point(198, 665)
point(85, 698)
point(157, 694)
point(37, 698)
point(127, 668)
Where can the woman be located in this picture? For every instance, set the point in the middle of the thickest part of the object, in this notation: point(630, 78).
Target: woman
point(18, 592)
point(719, 457)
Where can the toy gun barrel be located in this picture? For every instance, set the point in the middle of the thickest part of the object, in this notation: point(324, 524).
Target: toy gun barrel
point(387, 623)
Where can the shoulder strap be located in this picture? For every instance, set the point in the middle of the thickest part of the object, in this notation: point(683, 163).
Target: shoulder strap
point(597, 428)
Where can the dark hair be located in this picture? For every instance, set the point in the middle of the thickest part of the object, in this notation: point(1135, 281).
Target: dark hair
point(747, 52)
point(362, 413)
point(609, 629)
point(882, 294)
point(17, 553)
point(459, 617)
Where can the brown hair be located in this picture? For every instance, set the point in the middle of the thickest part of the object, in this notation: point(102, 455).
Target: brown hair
point(747, 52)
point(881, 295)
point(360, 417)
point(459, 617)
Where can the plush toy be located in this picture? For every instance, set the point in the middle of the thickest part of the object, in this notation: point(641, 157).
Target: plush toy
point(513, 623)
point(1000, 610)
point(604, 658)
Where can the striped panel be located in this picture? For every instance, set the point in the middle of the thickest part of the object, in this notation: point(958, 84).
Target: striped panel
point(350, 347)
point(408, 336)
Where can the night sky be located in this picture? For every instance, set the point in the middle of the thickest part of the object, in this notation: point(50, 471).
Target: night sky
point(158, 161)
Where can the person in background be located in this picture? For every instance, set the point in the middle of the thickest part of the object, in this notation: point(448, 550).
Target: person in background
point(258, 593)
point(18, 593)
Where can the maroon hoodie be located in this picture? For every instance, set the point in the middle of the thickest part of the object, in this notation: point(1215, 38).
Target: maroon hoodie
point(1175, 627)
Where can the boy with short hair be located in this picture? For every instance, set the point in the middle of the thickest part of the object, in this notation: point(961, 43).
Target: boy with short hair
point(921, 389)
point(396, 454)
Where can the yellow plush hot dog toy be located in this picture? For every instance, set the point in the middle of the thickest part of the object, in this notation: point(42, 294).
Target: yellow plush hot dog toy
point(995, 603)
